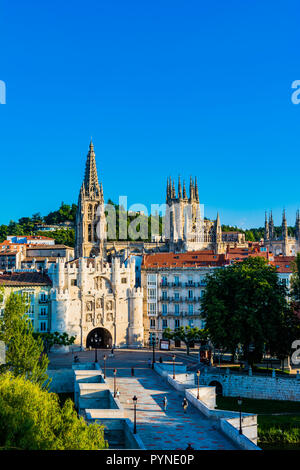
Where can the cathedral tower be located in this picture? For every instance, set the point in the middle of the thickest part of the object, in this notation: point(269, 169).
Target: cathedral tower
point(90, 230)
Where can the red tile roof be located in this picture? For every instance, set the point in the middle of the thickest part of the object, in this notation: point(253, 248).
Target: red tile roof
point(188, 259)
point(25, 279)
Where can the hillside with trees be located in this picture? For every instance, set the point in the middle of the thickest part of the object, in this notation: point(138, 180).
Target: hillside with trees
point(67, 214)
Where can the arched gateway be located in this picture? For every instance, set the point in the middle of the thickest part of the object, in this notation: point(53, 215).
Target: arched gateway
point(99, 337)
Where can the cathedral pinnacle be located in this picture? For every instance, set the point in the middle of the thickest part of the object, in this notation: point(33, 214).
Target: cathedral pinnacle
point(91, 184)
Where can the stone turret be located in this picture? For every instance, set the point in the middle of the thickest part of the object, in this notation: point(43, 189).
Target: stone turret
point(136, 328)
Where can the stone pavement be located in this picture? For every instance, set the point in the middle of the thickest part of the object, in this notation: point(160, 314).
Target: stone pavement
point(159, 429)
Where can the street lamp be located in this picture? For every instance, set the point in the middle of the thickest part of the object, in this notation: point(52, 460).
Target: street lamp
point(134, 403)
point(152, 342)
point(115, 390)
point(240, 401)
point(198, 375)
point(174, 357)
point(104, 359)
point(96, 340)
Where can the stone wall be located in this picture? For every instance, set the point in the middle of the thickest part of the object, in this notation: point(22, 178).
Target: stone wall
point(267, 388)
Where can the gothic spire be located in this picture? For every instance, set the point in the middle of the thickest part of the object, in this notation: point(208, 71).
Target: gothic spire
point(173, 190)
point(196, 190)
point(271, 226)
point(91, 184)
point(284, 226)
point(267, 231)
point(179, 188)
point(184, 191)
point(192, 192)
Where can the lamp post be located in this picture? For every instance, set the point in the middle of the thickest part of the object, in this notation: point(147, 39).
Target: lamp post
point(104, 359)
point(96, 342)
point(174, 357)
point(115, 390)
point(134, 404)
point(152, 343)
point(198, 375)
point(240, 401)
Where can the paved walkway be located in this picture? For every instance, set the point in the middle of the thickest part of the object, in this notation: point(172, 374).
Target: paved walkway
point(159, 429)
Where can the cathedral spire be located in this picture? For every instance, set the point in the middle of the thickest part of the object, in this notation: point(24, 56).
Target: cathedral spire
point(267, 231)
point(218, 229)
point(179, 188)
point(173, 190)
point(184, 191)
point(192, 190)
point(284, 226)
point(271, 226)
point(91, 184)
point(196, 190)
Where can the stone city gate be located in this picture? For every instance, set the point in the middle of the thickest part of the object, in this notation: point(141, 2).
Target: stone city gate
point(99, 337)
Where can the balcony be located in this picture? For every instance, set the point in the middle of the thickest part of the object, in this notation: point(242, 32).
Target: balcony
point(191, 284)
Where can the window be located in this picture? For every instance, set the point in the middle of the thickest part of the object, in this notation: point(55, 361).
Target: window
point(164, 281)
point(176, 280)
point(73, 282)
point(89, 232)
point(191, 308)
point(43, 311)
point(90, 212)
point(201, 293)
point(165, 324)
point(151, 279)
point(124, 280)
point(177, 323)
point(152, 294)
point(176, 295)
point(43, 326)
point(152, 308)
point(176, 308)
point(152, 323)
point(190, 294)
point(164, 308)
point(43, 297)
point(190, 281)
point(164, 295)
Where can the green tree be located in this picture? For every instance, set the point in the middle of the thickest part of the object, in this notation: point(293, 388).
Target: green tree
point(51, 339)
point(187, 334)
point(247, 304)
point(24, 354)
point(295, 282)
point(32, 419)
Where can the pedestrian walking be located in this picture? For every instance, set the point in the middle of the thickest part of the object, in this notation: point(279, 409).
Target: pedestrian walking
point(149, 363)
point(132, 371)
point(189, 447)
point(118, 393)
point(160, 360)
point(185, 405)
point(165, 403)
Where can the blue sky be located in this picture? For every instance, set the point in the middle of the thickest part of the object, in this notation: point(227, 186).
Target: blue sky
point(165, 88)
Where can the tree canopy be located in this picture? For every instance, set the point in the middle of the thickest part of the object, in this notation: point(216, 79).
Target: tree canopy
point(32, 419)
point(246, 304)
point(24, 354)
point(187, 334)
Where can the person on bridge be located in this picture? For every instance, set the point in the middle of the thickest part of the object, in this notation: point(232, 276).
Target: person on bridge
point(165, 403)
point(185, 405)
